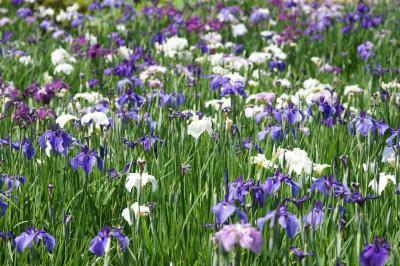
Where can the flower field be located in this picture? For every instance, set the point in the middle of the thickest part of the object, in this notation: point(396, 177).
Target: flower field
point(199, 132)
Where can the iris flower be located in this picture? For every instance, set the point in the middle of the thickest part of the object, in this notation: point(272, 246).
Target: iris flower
point(375, 254)
point(101, 243)
point(239, 234)
point(32, 236)
point(286, 220)
point(86, 160)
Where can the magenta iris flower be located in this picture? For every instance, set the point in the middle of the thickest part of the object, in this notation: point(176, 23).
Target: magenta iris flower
point(375, 254)
point(243, 235)
point(101, 243)
point(32, 236)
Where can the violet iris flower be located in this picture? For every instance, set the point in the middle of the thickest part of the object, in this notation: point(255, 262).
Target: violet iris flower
point(86, 160)
point(32, 236)
point(394, 139)
point(58, 139)
point(375, 254)
point(365, 50)
point(101, 243)
point(286, 220)
point(224, 210)
point(365, 124)
point(316, 216)
point(28, 149)
point(243, 235)
point(12, 183)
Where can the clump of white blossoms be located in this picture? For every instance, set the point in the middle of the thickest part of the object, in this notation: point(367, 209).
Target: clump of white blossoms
point(239, 30)
point(352, 90)
point(260, 161)
point(62, 61)
point(174, 47)
point(296, 160)
point(198, 126)
point(313, 90)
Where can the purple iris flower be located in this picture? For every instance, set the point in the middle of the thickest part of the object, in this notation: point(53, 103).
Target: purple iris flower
point(23, 12)
point(59, 140)
point(365, 124)
point(365, 50)
point(224, 210)
point(243, 235)
point(28, 149)
point(300, 254)
point(86, 160)
point(238, 189)
point(316, 216)
point(12, 183)
point(286, 220)
point(375, 254)
point(226, 85)
point(327, 185)
point(101, 243)
point(32, 236)
point(272, 184)
point(394, 139)
point(132, 98)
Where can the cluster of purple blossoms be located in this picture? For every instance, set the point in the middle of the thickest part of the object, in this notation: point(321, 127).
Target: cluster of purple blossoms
point(59, 140)
point(86, 160)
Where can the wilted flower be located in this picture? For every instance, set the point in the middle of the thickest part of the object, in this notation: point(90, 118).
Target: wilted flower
point(101, 243)
point(239, 234)
point(32, 236)
point(300, 254)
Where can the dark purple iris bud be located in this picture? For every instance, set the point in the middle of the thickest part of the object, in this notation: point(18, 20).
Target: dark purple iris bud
point(86, 160)
point(315, 218)
point(300, 254)
point(32, 236)
point(223, 211)
point(93, 83)
point(299, 201)
point(7, 236)
point(100, 245)
point(286, 220)
point(59, 140)
point(357, 197)
point(376, 253)
point(363, 8)
point(17, 2)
